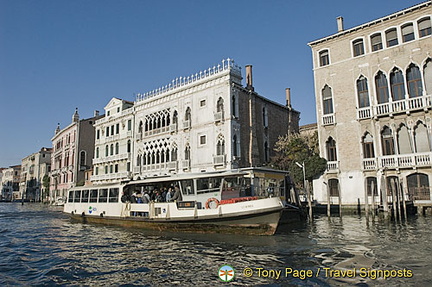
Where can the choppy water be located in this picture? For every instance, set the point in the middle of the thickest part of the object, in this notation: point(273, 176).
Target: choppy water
point(40, 247)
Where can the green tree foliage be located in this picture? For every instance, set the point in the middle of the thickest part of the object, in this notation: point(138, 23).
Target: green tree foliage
point(299, 148)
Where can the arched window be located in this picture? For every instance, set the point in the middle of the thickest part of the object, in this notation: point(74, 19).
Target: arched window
point(82, 158)
point(387, 141)
point(139, 160)
point(112, 149)
point(140, 129)
point(415, 87)
point(397, 85)
point(421, 138)
point(187, 152)
point(234, 106)
point(331, 149)
point(117, 148)
point(358, 47)
point(129, 148)
point(220, 146)
point(188, 114)
point(427, 75)
point(424, 26)
point(381, 88)
point(327, 100)
point(265, 117)
point(97, 152)
point(391, 37)
point(403, 140)
point(235, 148)
point(362, 92)
point(368, 147)
point(174, 153)
point(220, 105)
point(266, 152)
point(418, 186)
point(106, 150)
point(371, 184)
point(407, 32)
point(333, 184)
point(376, 42)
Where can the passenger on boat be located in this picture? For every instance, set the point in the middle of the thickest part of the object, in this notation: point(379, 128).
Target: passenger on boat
point(146, 197)
point(169, 195)
point(177, 195)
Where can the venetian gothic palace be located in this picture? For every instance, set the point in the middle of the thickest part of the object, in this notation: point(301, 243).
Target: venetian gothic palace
point(204, 122)
point(373, 86)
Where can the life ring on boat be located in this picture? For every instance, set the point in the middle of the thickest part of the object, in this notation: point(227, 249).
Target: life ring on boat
point(212, 203)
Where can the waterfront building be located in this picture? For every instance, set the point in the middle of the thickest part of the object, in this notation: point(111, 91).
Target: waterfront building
point(114, 142)
point(10, 183)
point(373, 86)
point(72, 154)
point(33, 169)
point(207, 121)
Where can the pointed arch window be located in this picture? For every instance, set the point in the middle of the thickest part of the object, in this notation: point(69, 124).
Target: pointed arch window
point(187, 152)
point(403, 140)
point(387, 141)
point(421, 138)
point(397, 85)
point(368, 147)
point(331, 149)
point(415, 87)
point(220, 146)
point(381, 88)
point(327, 100)
point(427, 75)
point(363, 92)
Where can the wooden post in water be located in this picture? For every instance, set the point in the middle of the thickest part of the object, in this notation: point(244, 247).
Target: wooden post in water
point(309, 199)
point(366, 201)
point(403, 200)
point(392, 183)
point(340, 199)
point(373, 199)
point(398, 199)
point(384, 195)
point(328, 200)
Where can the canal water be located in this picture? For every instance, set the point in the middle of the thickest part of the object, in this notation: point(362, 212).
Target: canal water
point(39, 246)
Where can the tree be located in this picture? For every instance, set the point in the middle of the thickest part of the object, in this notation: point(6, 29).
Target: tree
point(299, 148)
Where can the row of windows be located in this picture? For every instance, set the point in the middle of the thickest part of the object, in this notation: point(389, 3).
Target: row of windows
point(111, 168)
point(102, 195)
point(388, 38)
point(418, 186)
point(113, 149)
point(412, 81)
point(113, 130)
point(398, 142)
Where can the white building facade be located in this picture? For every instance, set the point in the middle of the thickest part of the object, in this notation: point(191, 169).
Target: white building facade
point(114, 141)
point(373, 86)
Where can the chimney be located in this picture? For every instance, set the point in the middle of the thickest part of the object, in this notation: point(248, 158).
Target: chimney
point(288, 97)
point(249, 84)
point(340, 23)
point(96, 113)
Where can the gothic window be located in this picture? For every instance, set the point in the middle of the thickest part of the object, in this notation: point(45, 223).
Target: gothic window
point(415, 88)
point(397, 85)
point(407, 32)
point(391, 37)
point(266, 152)
point(265, 117)
point(362, 92)
point(331, 149)
point(174, 153)
point(358, 47)
point(235, 148)
point(324, 58)
point(371, 184)
point(376, 42)
point(82, 158)
point(421, 138)
point(387, 141)
point(106, 150)
point(140, 128)
point(381, 88)
point(187, 152)
point(112, 149)
point(327, 100)
point(424, 26)
point(333, 187)
point(220, 146)
point(117, 148)
point(403, 140)
point(220, 105)
point(188, 114)
point(368, 147)
point(234, 106)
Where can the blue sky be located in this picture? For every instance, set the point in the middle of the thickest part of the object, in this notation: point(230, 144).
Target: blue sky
point(56, 55)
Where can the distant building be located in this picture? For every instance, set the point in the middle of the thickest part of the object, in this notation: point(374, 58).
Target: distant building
point(207, 121)
point(373, 86)
point(33, 169)
point(10, 183)
point(73, 151)
point(114, 141)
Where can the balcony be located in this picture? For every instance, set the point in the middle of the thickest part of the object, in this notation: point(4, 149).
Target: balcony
point(218, 117)
point(328, 119)
point(186, 124)
point(186, 164)
point(399, 161)
point(403, 106)
point(219, 160)
point(332, 166)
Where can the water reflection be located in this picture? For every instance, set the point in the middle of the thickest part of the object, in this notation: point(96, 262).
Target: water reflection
point(40, 246)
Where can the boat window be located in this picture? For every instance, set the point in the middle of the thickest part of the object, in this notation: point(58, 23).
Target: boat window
point(85, 196)
point(77, 196)
point(187, 186)
point(103, 195)
point(272, 186)
point(93, 195)
point(70, 199)
point(236, 187)
point(205, 185)
point(113, 194)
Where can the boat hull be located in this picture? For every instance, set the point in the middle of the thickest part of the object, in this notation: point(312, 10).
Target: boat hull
point(253, 224)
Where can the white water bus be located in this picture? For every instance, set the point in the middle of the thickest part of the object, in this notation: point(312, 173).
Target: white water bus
point(247, 201)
